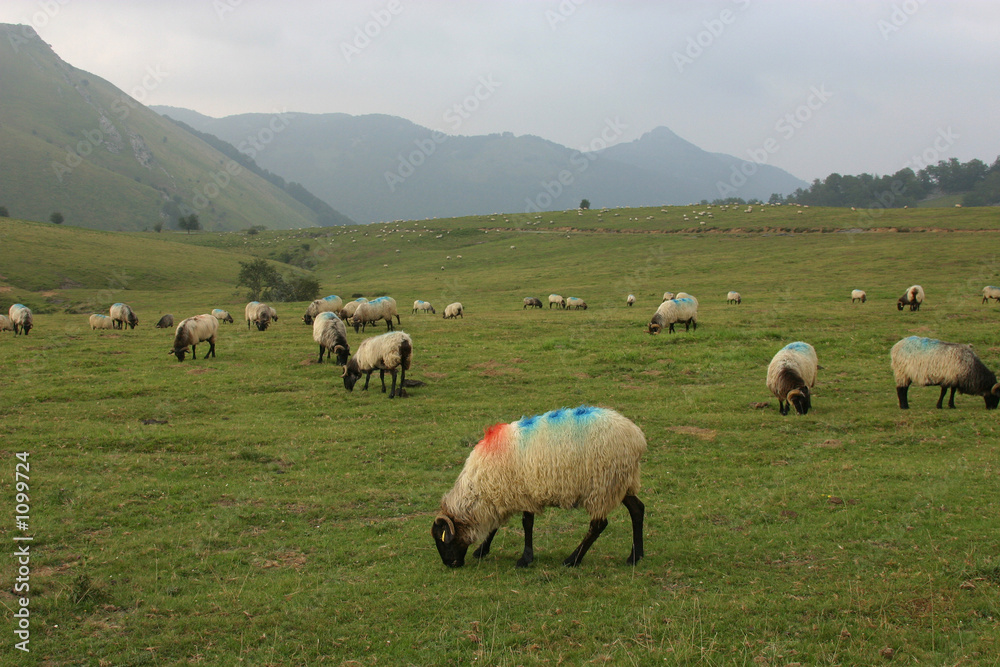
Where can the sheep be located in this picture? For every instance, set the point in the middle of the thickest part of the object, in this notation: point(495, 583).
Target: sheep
point(347, 312)
point(673, 311)
point(990, 292)
point(734, 298)
point(685, 295)
point(273, 313)
point(258, 313)
point(565, 458)
point(667, 296)
point(913, 297)
point(423, 307)
point(556, 300)
point(790, 376)
point(630, 300)
point(925, 362)
point(122, 315)
point(453, 310)
point(382, 308)
point(21, 319)
point(98, 321)
point(328, 304)
point(576, 303)
point(858, 295)
point(331, 334)
point(532, 302)
point(386, 353)
point(192, 331)
point(219, 314)
point(6, 324)
point(167, 321)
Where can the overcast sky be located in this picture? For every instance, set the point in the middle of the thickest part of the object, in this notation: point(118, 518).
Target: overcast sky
point(812, 87)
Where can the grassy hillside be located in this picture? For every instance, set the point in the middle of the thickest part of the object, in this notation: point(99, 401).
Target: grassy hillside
point(248, 509)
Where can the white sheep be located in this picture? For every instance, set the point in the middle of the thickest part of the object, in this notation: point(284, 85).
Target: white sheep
point(259, 314)
point(453, 310)
point(167, 321)
point(123, 316)
point(420, 306)
point(576, 303)
point(328, 304)
point(385, 353)
point(273, 313)
point(532, 302)
point(858, 295)
point(791, 375)
point(21, 319)
point(630, 300)
point(382, 308)
point(6, 324)
point(567, 458)
point(347, 312)
point(667, 296)
point(192, 331)
point(98, 321)
point(556, 300)
point(990, 292)
point(926, 361)
point(219, 314)
point(331, 334)
point(672, 312)
point(913, 297)
point(734, 298)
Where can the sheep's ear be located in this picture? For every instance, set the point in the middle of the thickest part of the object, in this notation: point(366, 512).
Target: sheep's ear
point(447, 528)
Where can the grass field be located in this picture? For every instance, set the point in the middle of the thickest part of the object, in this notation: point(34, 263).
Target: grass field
point(268, 517)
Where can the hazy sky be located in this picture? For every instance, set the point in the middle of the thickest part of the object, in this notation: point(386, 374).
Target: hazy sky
point(812, 87)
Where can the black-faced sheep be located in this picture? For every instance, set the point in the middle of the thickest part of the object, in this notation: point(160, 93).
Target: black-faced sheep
point(167, 321)
point(219, 314)
point(98, 321)
point(21, 319)
point(331, 334)
point(259, 314)
point(6, 324)
point(423, 307)
point(630, 300)
point(556, 300)
point(382, 308)
point(858, 295)
point(273, 313)
point(532, 302)
point(576, 303)
point(673, 311)
point(565, 458)
point(990, 292)
point(734, 298)
point(122, 315)
point(791, 375)
point(453, 310)
point(388, 352)
point(192, 331)
point(925, 362)
point(328, 304)
point(913, 297)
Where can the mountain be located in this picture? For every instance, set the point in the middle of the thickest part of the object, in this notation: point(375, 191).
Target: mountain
point(72, 142)
point(378, 167)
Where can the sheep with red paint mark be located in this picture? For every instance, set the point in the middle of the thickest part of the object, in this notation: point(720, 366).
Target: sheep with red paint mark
point(584, 457)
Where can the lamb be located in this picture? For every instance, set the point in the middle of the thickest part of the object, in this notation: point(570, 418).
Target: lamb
point(386, 353)
point(331, 334)
point(790, 376)
point(423, 307)
point(913, 297)
point(858, 295)
point(565, 458)
point(734, 298)
point(576, 303)
point(925, 362)
point(667, 296)
point(328, 304)
point(673, 311)
point(98, 321)
point(167, 321)
point(6, 324)
point(217, 313)
point(382, 308)
point(258, 313)
point(453, 310)
point(21, 319)
point(122, 315)
point(556, 300)
point(629, 300)
point(347, 312)
point(532, 302)
point(990, 292)
point(192, 331)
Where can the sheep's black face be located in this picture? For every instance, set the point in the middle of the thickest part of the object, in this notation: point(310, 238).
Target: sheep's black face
point(342, 356)
point(307, 319)
point(992, 401)
point(180, 354)
point(451, 548)
point(899, 305)
point(350, 380)
point(801, 400)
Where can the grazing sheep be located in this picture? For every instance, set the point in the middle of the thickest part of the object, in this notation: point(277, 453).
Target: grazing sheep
point(667, 296)
point(925, 362)
point(331, 334)
point(328, 304)
point(167, 321)
point(913, 297)
point(386, 353)
point(98, 321)
point(565, 458)
point(532, 302)
point(122, 315)
point(556, 300)
point(990, 292)
point(790, 376)
point(219, 314)
point(423, 307)
point(6, 324)
point(630, 300)
point(382, 308)
point(673, 311)
point(273, 313)
point(21, 319)
point(576, 303)
point(258, 313)
point(453, 310)
point(192, 331)
point(858, 295)
point(734, 297)
point(685, 295)
point(347, 312)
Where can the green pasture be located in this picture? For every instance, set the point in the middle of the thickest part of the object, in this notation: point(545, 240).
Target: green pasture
point(246, 509)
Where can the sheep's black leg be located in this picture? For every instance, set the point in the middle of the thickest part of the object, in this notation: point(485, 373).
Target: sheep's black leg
point(369, 377)
point(194, 351)
point(901, 395)
point(637, 511)
point(944, 390)
point(321, 349)
point(783, 407)
point(951, 399)
point(528, 523)
point(392, 392)
point(211, 349)
point(597, 526)
point(381, 376)
point(402, 382)
point(484, 548)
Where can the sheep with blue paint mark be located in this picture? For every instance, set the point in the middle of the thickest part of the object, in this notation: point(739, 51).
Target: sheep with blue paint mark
point(21, 319)
point(388, 352)
point(328, 304)
point(192, 331)
point(331, 334)
point(347, 312)
point(912, 297)
point(991, 292)
point(667, 296)
point(791, 375)
point(576, 303)
point(556, 300)
point(122, 315)
point(858, 295)
point(421, 306)
point(98, 321)
point(674, 311)
point(927, 362)
point(584, 457)
point(219, 314)
point(382, 308)
point(734, 298)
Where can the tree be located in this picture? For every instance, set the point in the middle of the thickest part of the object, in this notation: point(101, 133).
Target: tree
point(259, 277)
point(56, 218)
point(585, 204)
point(158, 227)
point(189, 223)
